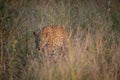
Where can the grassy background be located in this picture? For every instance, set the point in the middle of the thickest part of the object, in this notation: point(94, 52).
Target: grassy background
point(94, 33)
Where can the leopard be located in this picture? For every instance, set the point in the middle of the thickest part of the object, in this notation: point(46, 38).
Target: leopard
point(52, 40)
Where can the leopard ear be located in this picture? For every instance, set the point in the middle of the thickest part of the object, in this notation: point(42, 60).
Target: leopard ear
point(34, 33)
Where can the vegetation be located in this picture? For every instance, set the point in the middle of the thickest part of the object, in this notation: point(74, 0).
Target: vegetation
point(93, 27)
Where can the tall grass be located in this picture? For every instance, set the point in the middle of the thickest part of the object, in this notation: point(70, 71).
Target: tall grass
point(94, 40)
point(93, 57)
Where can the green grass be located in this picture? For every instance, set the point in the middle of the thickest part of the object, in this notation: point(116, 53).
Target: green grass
point(94, 40)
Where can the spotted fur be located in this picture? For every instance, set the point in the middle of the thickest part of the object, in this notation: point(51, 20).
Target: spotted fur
point(51, 38)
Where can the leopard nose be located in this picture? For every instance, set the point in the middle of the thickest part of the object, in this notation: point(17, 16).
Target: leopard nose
point(39, 49)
